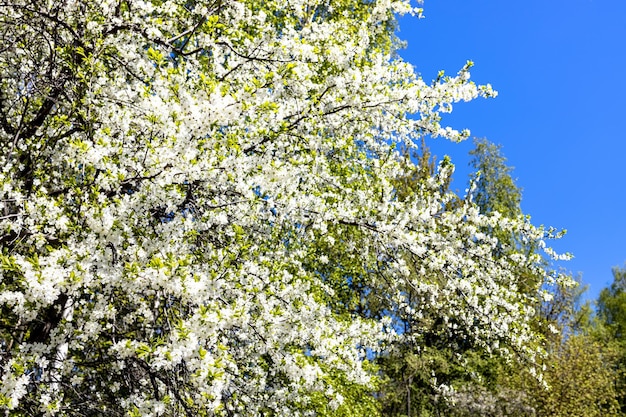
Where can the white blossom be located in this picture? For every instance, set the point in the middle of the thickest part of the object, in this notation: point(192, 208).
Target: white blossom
point(188, 189)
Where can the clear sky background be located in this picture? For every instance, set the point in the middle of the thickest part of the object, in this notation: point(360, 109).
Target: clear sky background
point(559, 67)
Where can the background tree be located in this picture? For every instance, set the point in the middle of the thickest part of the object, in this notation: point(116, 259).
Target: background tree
point(430, 358)
point(578, 379)
point(611, 315)
point(612, 305)
point(494, 188)
point(578, 376)
point(581, 380)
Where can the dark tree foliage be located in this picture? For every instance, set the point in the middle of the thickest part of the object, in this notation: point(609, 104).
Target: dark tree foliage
point(495, 188)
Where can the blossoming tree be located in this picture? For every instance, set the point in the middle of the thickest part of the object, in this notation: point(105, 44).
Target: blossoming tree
point(190, 191)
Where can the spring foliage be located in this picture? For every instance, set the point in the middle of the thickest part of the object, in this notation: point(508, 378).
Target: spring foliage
point(191, 192)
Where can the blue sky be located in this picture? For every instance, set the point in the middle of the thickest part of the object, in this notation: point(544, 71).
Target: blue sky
point(560, 70)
